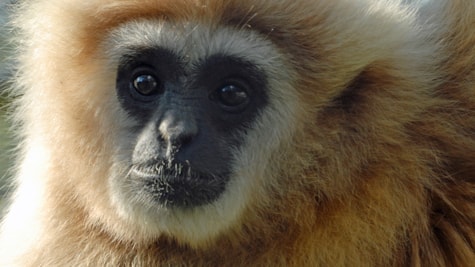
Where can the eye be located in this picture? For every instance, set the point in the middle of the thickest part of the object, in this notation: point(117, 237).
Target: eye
point(232, 97)
point(145, 82)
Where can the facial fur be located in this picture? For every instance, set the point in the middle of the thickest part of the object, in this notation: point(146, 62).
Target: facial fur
point(243, 133)
point(234, 173)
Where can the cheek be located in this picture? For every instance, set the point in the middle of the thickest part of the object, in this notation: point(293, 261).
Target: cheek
point(107, 140)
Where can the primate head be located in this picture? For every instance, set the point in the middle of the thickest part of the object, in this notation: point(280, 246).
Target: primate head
point(188, 120)
point(178, 131)
point(200, 111)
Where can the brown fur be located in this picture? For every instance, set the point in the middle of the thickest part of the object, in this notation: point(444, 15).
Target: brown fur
point(380, 173)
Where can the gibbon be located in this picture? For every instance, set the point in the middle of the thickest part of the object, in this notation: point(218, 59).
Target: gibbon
point(243, 133)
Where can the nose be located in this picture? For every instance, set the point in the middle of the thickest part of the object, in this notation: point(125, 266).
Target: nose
point(177, 128)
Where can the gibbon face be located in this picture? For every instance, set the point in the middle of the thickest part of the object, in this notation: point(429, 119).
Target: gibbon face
point(189, 120)
point(192, 102)
point(241, 132)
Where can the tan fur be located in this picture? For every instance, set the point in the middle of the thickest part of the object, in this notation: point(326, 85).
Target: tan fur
point(377, 170)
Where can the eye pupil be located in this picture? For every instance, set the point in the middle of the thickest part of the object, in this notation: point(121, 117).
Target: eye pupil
point(146, 84)
point(232, 95)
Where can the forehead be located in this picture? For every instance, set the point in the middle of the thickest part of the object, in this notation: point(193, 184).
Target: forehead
point(192, 42)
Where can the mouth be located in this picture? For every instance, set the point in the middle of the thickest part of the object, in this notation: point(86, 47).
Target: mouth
point(175, 184)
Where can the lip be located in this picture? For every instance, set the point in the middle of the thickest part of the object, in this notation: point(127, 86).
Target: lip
point(177, 184)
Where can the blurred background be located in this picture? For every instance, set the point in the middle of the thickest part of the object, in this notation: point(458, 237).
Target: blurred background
point(5, 69)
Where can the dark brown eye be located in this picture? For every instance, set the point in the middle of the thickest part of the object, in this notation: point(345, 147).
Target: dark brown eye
point(232, 96)
point(146, 84)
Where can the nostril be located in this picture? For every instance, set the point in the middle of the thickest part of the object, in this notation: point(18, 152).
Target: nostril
point(178, 129)
point(178, 144)
point(185, 139)
point(180, 139)
point(179, 135)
